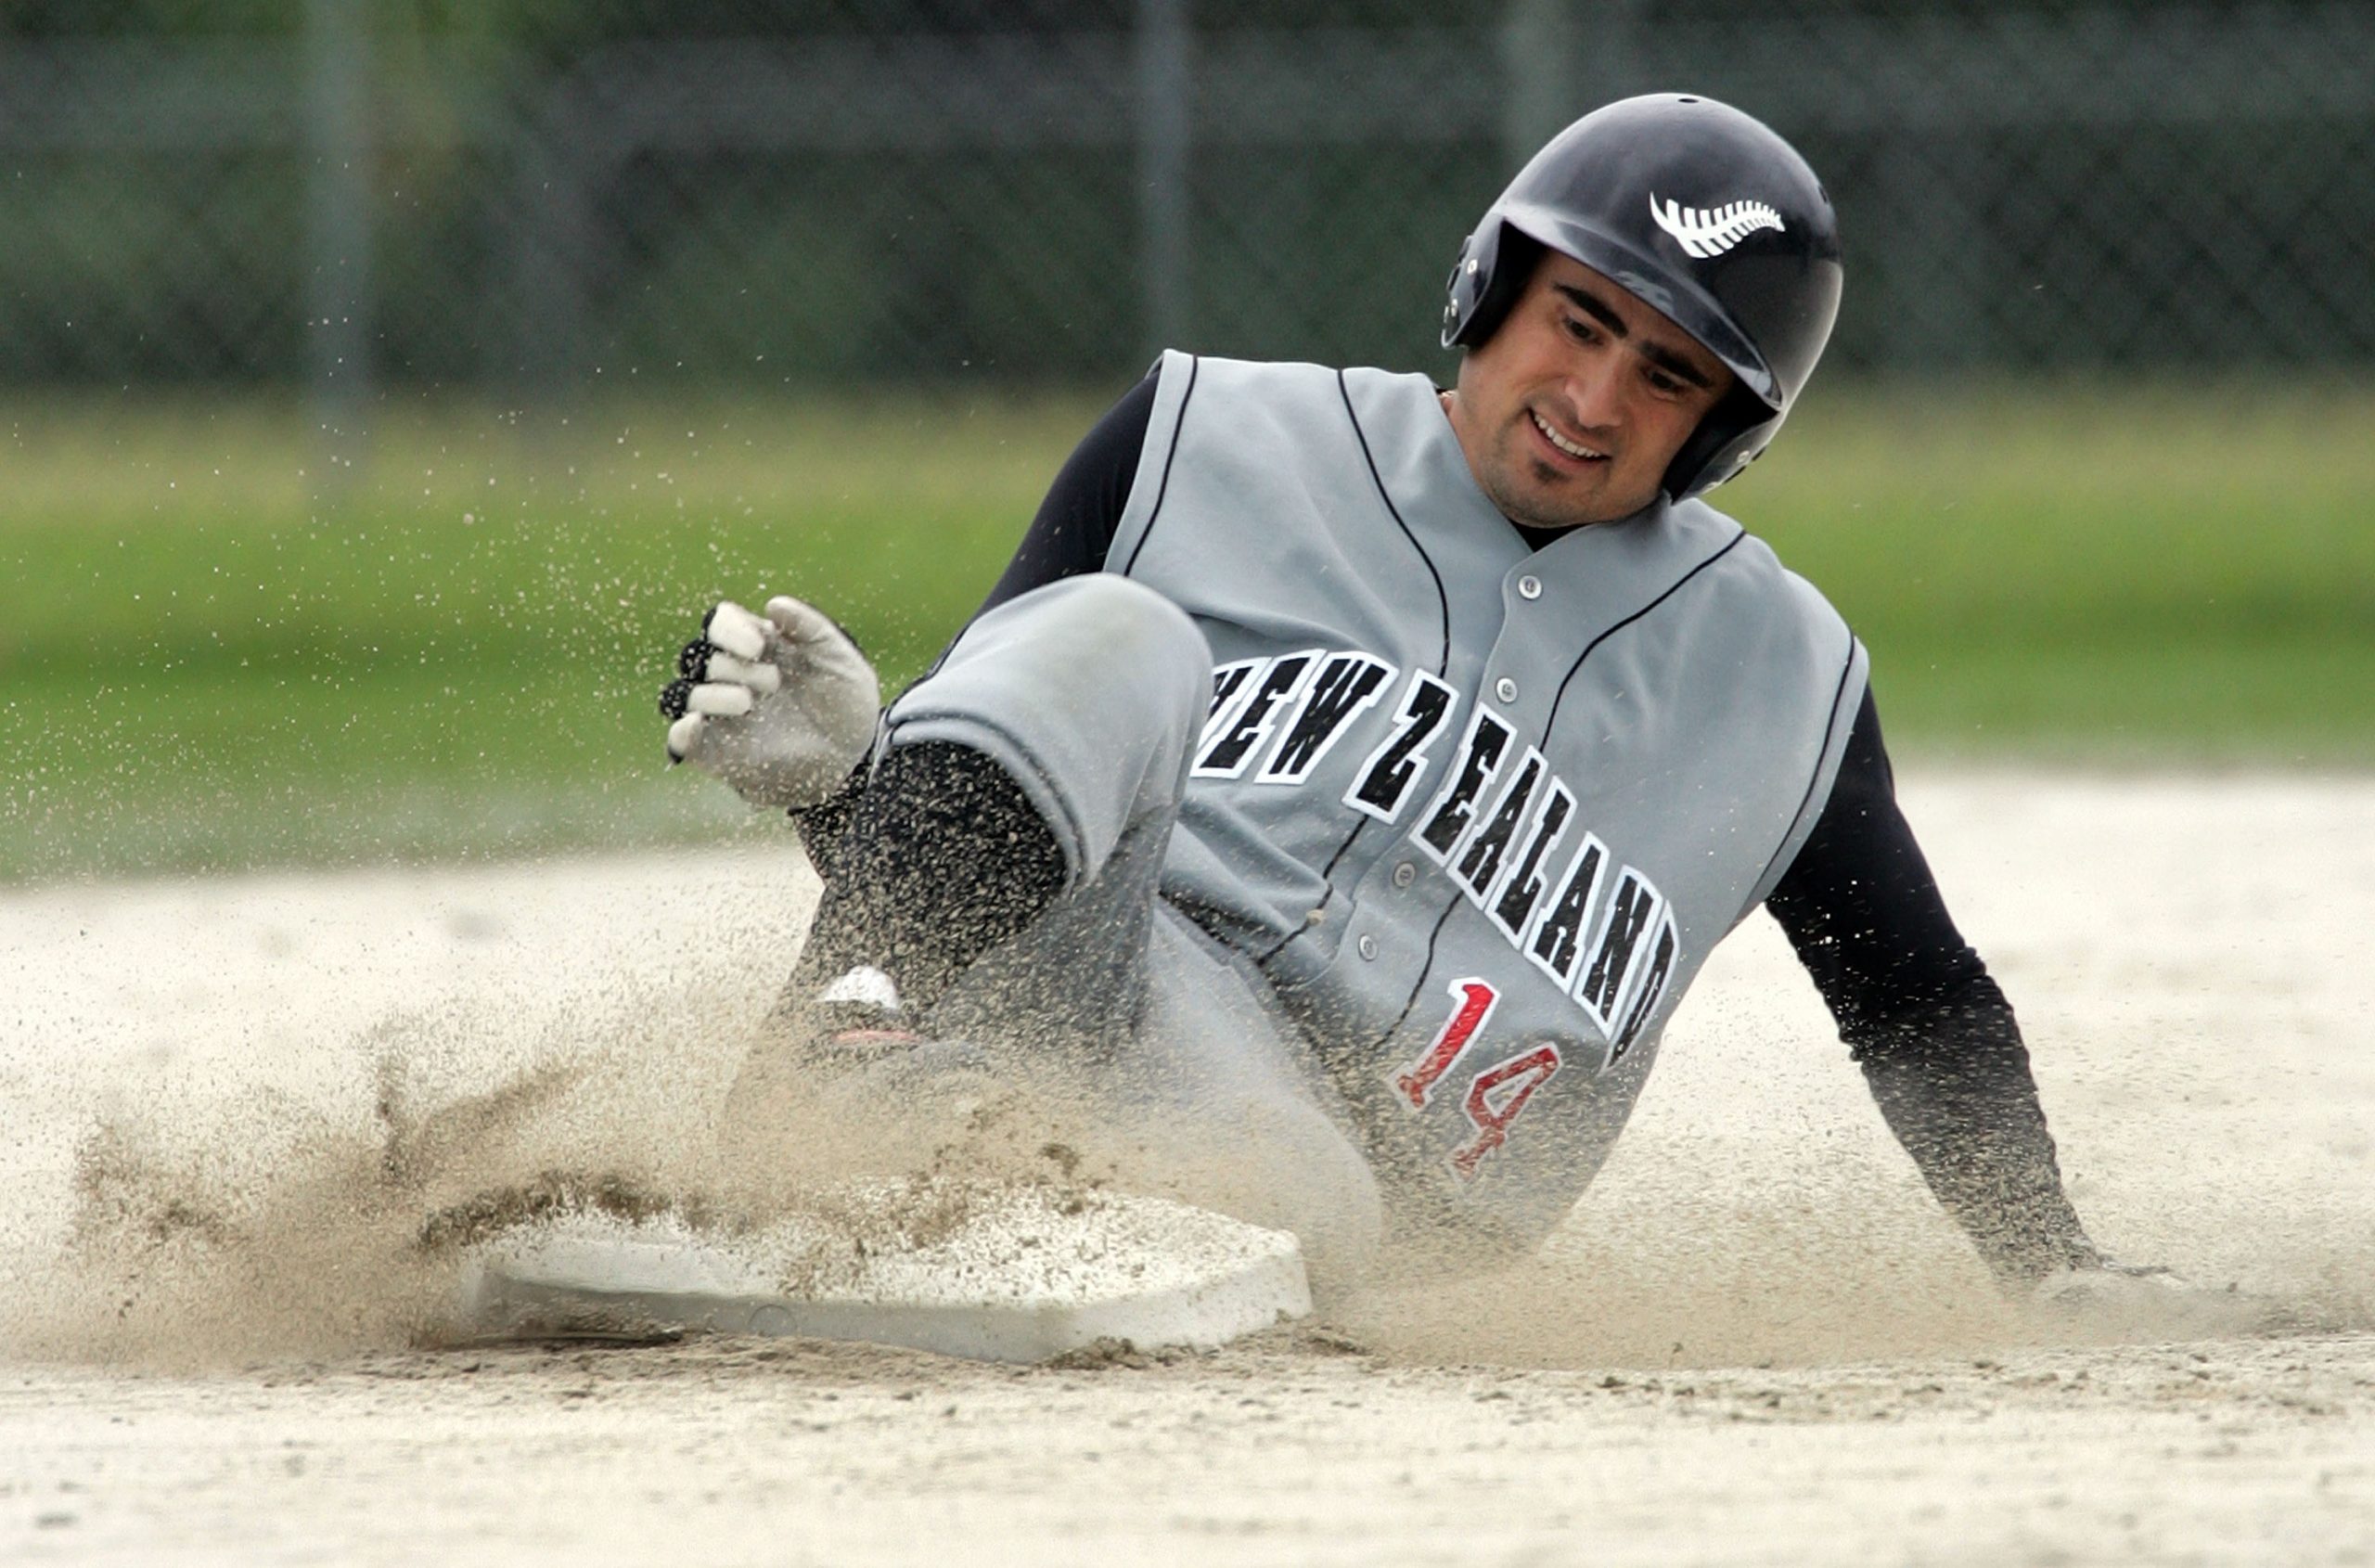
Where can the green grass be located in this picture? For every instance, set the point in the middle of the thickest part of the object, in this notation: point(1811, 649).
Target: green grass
point(204, 662)
point(2159, 577)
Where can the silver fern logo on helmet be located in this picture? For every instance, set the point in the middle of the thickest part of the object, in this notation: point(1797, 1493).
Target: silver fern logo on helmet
point(1708, 232)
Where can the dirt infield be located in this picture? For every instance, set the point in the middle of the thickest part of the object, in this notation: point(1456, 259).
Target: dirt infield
point(230, 1103)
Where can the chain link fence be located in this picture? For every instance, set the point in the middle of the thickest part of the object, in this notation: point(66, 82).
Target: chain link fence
point(526, 195)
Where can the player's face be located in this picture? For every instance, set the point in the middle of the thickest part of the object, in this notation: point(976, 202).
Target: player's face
point(1571, 412)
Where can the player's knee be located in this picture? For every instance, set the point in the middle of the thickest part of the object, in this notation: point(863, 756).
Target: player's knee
point(1137, 630)
point(1131, 612)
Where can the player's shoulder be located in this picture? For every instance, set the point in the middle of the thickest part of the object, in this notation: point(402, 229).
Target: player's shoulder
point(1745, 564)
point(1283, 415)
point(1183, 374)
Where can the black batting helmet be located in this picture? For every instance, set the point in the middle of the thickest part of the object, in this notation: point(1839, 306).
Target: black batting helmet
point(1703, 213)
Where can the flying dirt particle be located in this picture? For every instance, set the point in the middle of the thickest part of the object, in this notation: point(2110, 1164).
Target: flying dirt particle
point(1101, 1355)
point(485, 1216)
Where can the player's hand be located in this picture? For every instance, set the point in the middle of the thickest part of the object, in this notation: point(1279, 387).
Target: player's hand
point(780, 706)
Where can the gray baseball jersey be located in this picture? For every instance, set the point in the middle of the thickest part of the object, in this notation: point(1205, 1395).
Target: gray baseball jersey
point(1479, 812)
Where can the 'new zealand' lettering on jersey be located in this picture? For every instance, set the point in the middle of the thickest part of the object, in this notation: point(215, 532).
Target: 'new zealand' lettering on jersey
point(1613, 954)
point(1479, 812)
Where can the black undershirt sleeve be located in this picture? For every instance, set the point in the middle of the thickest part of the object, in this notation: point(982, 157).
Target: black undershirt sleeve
point(1937, 1042)
point(1076, 523)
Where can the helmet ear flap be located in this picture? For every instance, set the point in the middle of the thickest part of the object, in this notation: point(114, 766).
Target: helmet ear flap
point(1486, 278)
point(1729, 438)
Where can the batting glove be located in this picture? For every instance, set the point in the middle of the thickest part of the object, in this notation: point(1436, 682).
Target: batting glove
point(780, 707)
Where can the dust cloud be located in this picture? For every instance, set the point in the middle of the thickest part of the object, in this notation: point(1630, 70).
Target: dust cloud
point(260, 1117)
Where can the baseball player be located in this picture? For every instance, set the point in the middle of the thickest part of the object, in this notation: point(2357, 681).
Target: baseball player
point(1351, 774)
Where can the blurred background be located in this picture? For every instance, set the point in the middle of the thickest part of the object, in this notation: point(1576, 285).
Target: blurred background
point(389, 386)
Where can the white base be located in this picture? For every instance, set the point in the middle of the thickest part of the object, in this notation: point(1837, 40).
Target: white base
point(1007, 1274)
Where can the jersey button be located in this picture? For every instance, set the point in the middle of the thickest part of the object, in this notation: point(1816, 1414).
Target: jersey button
point(1529, 587)
point(1404, 874)
point(1506, 689)
point(1368, 945)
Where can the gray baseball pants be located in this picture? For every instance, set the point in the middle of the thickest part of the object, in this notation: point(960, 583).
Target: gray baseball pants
point(1091, 693)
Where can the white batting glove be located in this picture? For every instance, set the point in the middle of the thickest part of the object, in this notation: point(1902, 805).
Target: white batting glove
point(780, 707)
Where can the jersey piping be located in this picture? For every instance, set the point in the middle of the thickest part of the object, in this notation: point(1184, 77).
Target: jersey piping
point(1442, 599)
point(1738, 535)
point(1163, 488)
point(1822, 759)
point(1443, 661)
